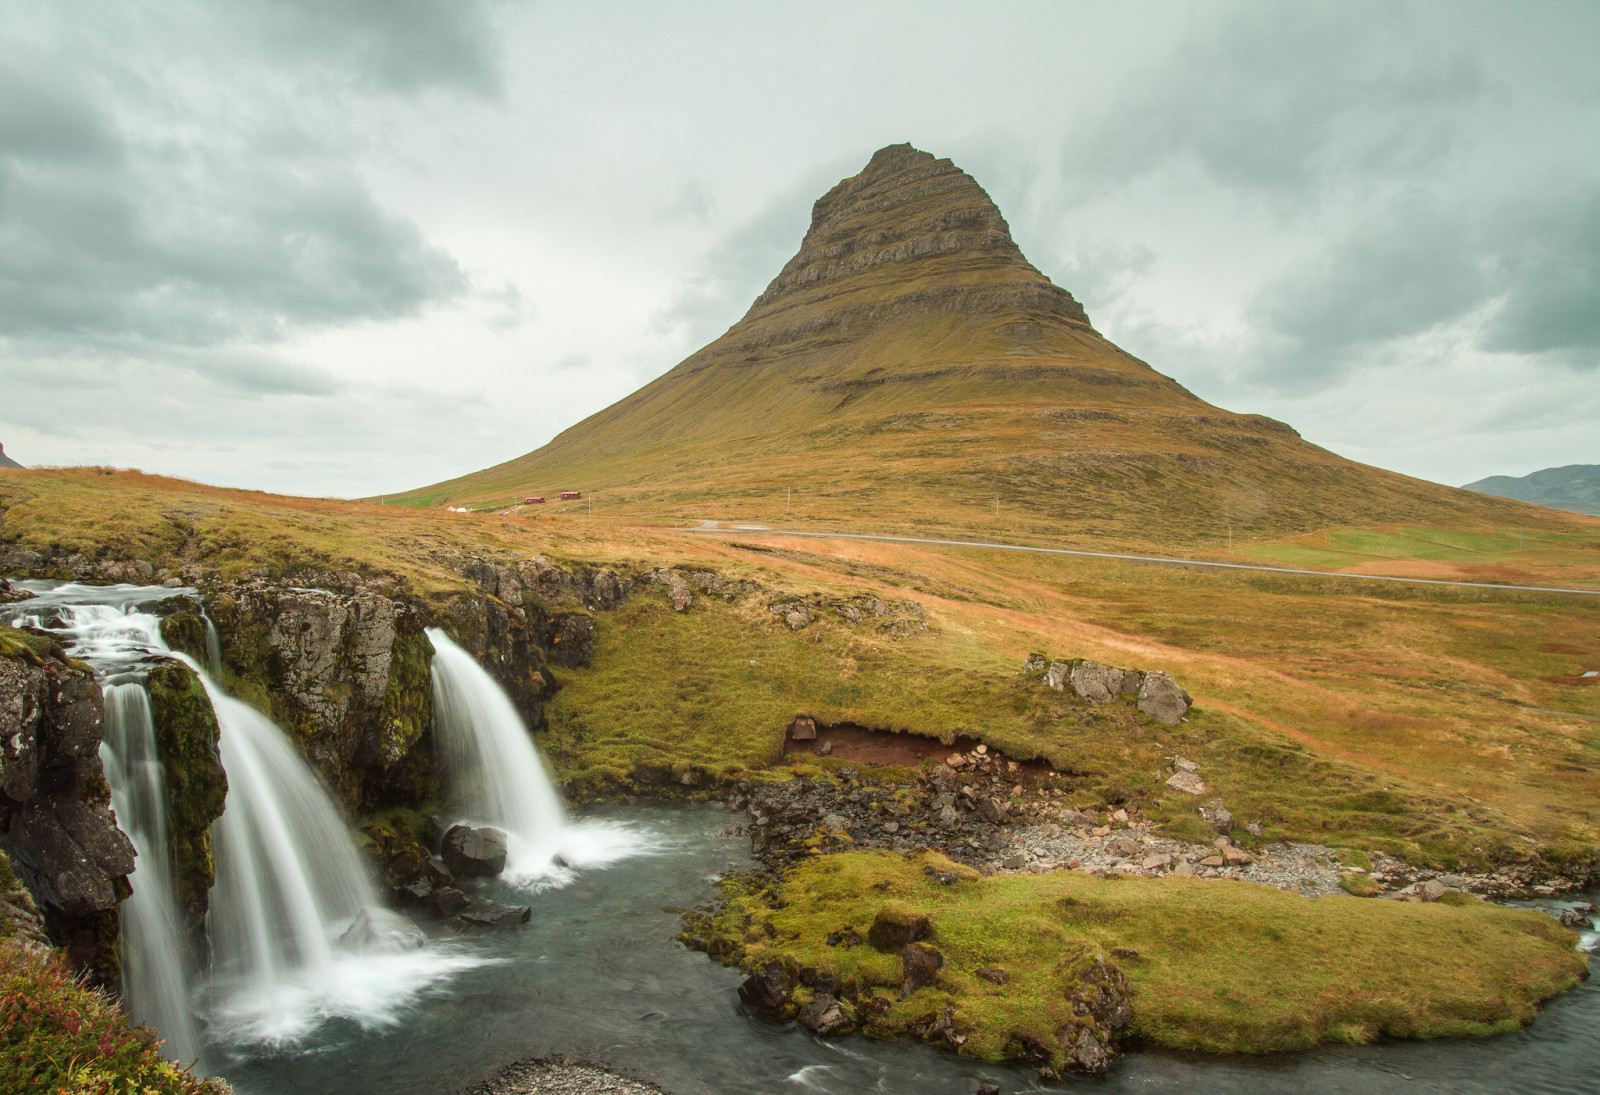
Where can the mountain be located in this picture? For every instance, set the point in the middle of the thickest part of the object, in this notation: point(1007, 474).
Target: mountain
point(910, 369)
point(6, 461)
point(1575, 487)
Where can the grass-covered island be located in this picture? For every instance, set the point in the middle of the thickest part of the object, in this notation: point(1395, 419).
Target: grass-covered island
point(1055, 968)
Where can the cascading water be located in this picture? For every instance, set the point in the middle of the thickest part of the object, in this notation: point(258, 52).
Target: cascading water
point(499, 780)
point(290, 885)
point(156, 970)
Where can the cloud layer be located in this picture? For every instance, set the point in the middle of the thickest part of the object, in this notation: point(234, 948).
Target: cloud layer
point(353, 246)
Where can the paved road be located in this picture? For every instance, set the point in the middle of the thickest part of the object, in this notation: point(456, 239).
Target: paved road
point(712, 527)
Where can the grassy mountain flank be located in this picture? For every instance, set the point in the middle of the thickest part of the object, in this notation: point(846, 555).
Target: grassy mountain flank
point(909, 369)
point(1574, 487)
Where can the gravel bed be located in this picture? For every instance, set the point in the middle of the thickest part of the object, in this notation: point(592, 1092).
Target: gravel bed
point(552, 1076)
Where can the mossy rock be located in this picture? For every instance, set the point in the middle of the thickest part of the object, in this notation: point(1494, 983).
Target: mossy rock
point(197, 788)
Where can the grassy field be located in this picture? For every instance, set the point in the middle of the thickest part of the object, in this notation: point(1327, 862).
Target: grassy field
point(1409, 719)
point(1229, 967)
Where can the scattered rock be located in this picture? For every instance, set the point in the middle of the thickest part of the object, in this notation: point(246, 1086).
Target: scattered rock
point(470, 850)
point(1217, 816)
point(1036, 663)
point(825, 748)
point(1153, 862)
point(1103, 683)
point(1432, 890)
point(1185, 765)
point(445, 902)
point(485, 914)
point(768, 988)
point(1162, 699)
point(1187, 782)
point(823, 1016)
point(1576, 919)
point(920, 964)
point(1056, 676)
point(1123, 846)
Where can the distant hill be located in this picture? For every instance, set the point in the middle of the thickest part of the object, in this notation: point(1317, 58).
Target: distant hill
point(6, 461)
point(1575, 487)
point(910, 369)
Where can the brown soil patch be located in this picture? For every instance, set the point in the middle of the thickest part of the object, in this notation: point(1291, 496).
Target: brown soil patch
point(878, 748)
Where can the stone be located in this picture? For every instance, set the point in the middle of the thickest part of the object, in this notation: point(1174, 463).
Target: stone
point(994, 975)
point(1183, 869)
point(1103, 683)
point(768, 988)
point(1217, 816)
point(446, 902)
point(681, 597)
point(1235, 857)
point(474, 850)
point(823, 1016)
point(1432, 890)
point(993, 810)
point(803, 728)
point(949, 817)
point(1014, 862)
point(1255, 828)
point(1120, 815)
point(485, 914)
point(896, 925)
point(1035, 663)
point(797, 619)
point(1162, 699)
point(1056, 676)
point(379, 931)
point(1187, 782)
point(920, 964)
point(956, 760)
point(1185, 765)
point(1123, 846)
point(1152, 862)
point(1212, 861)
point(836, 822)
point(1085, 1052)
point(1576, 919)
point(825, 749)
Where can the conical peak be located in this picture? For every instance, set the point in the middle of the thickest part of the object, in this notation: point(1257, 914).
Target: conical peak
point(905, 222)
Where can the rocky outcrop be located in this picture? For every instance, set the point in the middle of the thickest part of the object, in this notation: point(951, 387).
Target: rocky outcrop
point(470, 850)
point(1158, 695)
point(55, 807)
point(187, 735)
point(1162, 699)
point(1103, 683)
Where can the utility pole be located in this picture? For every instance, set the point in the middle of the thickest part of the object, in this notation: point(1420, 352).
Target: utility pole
point(788, 498)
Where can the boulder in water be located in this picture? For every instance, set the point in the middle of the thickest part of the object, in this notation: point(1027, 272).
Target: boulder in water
point(376, 930)
point(485, 914)
point(445, 902)
point(474, 850)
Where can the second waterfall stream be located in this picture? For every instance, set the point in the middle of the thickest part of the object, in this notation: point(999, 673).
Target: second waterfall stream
point(497, 778)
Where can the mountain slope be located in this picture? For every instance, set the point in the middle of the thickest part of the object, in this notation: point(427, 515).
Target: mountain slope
point(6, 461)
point(910, 369)
point(1574, 487)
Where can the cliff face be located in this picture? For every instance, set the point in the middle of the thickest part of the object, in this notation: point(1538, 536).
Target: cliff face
point(187, 735)
point(346, 668)
point(55, 806)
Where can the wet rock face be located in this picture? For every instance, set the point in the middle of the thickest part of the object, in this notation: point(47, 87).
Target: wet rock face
point(187, 736)
point(474, 851)
point(55, 815)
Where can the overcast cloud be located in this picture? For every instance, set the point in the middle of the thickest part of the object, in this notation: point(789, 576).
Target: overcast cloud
point(354, 246)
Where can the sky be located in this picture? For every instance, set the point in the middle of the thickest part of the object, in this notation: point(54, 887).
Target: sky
point(349, 247)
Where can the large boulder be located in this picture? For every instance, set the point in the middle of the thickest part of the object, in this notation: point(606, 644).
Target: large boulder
point(486, 914)
point(1103, 683)
point(824, 1016)
point(474, 850)
point(920, 964)
point(1162, 699)
point(768, 988)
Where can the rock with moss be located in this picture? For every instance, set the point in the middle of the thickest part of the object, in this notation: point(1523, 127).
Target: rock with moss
point(187, 735)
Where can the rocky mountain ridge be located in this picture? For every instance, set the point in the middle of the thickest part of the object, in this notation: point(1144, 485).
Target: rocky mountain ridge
point(1574, 487)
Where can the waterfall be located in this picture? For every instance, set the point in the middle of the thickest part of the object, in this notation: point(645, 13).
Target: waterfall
point(499, 779)
point(290, 883)
point(156, 971)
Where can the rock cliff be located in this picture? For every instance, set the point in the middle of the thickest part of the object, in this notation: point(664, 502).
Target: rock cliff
point(55, 807)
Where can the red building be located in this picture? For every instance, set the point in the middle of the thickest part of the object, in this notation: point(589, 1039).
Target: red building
point(571, 495)
point(533, 500)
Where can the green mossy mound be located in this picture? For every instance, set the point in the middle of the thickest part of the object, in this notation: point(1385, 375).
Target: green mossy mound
point(1219, 966)
point(197, 788)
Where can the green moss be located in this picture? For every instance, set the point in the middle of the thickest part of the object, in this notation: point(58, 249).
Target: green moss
point(1219, 966)
point(186, 738)
point(186, 632)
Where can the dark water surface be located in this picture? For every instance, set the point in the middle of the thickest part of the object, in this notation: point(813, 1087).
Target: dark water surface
point(597, 974)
